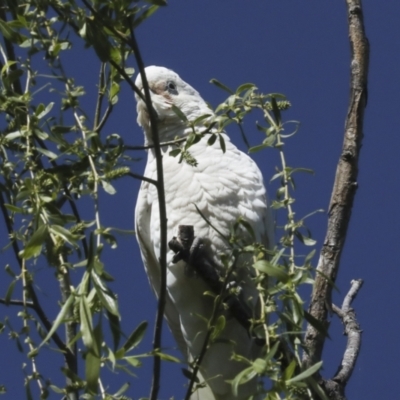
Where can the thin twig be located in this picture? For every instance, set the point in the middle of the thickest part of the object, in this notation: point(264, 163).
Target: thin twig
point(344, 187)
point(142, 178)
point(14, 302)
point(163, 221)
point(151, 146)
point(25, 292)
point(103, 121)
point(96, 178)
point(100, 96)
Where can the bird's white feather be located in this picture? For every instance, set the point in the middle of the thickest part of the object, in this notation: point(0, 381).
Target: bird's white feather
point(224, 186)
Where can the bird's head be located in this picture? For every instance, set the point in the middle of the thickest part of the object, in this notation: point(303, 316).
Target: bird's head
point(167, 89)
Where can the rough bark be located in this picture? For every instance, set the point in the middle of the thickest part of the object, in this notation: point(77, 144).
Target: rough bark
point(345, 186)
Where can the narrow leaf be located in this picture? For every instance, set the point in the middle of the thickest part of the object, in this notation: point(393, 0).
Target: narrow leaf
point(86, 322)
point(244, 87)
point(34, 245)
point(179, 113)
point(136, 337)
point(9, 292)
point(272, 270)
point(305, 374)
point(222, 86)
point(106, 296)
point(60, 318)
point(92, 371)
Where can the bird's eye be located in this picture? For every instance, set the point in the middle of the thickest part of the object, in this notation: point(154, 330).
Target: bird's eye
point(171, 87)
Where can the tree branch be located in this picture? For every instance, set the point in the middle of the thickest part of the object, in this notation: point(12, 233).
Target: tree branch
point(344, 187)
point(163, 219)
point(352, 331)
point(335, 387)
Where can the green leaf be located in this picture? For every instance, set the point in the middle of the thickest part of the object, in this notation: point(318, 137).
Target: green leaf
point(276, 111)
point(289, 370)
point(136, 337)
point(96, 37)
point(60, 318)
point(306, 170)
point(222, 143)
point(61, 129)
point(9, 292)
point(200, 119)
point(179, 113)
point(107, 298)
point(243, 377)
point(307, 241)
point(114, 90)
point(167, 357)
point(317, 324)
point(218, 327)
point(259, 365)
point(146, 14)
point(133, 360)
point(245, 86)
point(65, 234)
point(130, 71)
point(85, 317)
point(47, 153)
point(272, 352)
point(259, 147)
point(121, 391)
point(175, 152)
point(40, 113)
point(115, 328)
point(305, 374)
point(272, 270)
point(309, 257)
point(317, 389)
point(212, 139)
point(92, 371)
point(107, 187)
point(34, 245)
point(221, 86)
point(9, 33)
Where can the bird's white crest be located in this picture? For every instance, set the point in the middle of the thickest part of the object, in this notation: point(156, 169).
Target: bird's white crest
point(224, 186)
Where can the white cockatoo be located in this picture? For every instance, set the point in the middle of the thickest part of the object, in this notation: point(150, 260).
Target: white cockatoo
point(224, 186)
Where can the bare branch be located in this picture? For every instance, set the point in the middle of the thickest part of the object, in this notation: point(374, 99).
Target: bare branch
point(335, 387)
point(352, 331)
point(344, 187)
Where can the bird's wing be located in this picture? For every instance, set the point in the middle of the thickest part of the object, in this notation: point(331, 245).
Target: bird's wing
point(142, 221)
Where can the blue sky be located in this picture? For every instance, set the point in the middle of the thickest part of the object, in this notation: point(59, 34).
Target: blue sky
point(300, 49)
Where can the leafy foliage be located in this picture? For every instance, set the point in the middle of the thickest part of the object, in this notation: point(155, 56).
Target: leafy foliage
point(279, 272)
point(54, 162)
